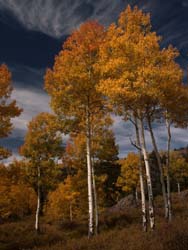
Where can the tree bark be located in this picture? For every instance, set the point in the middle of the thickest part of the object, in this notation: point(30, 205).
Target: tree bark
point(142, 190)
point(37, 226)
point(136, 195)
point(89, 173)
point(168, 170)
point(179, 189)
point(95, 200)
point(156, 151)
point(148, 175)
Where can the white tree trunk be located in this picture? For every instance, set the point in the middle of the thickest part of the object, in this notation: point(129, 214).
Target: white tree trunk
point(136, 195)
point(89, 173)
point(95, 200)
point(37, 228)
point(148, 176)
point(179, 189)
point(168, 170)
point(156, 151)
point(142, 190)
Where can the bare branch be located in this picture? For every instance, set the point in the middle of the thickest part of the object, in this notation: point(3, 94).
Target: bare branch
point(134, 144)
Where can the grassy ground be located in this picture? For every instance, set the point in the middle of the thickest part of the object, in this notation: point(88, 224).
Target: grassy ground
point(120, 231)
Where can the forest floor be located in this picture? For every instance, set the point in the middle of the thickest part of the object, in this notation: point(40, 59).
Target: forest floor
point(118, 231)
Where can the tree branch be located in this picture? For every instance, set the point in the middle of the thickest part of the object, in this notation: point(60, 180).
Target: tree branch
point(134, 144)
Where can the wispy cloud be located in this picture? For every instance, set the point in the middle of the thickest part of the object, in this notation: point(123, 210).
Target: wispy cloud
point(185, 3)
point(59, 17)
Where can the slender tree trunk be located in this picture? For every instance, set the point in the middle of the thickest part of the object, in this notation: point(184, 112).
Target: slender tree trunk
point(142, 190)
point(136, 195)
point(89, 173)
point(168, 170)
point(179, 189)
point(164, 193)
point(148, 175)
point(95, 200)
point(37, 228)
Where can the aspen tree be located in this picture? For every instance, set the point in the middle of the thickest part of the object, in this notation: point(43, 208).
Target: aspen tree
point(129, 176)
point(72, 86)
point(122, 64)
point(141, 176)
point(62, 202)
point(8, 107)
point(137, 74)
point(173, 102)
point(178, 169)
point(42, 145)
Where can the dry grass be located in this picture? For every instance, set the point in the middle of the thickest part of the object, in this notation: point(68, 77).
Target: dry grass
point(165, 237)
point(21, 235)
point(120, 231)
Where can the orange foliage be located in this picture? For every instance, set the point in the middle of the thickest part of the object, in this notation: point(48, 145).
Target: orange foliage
point(8, 108)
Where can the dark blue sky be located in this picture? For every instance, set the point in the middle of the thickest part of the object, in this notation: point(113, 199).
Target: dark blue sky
point(32, 33)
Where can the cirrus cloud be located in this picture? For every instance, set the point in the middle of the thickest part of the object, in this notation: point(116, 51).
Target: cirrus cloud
point(59, 17)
